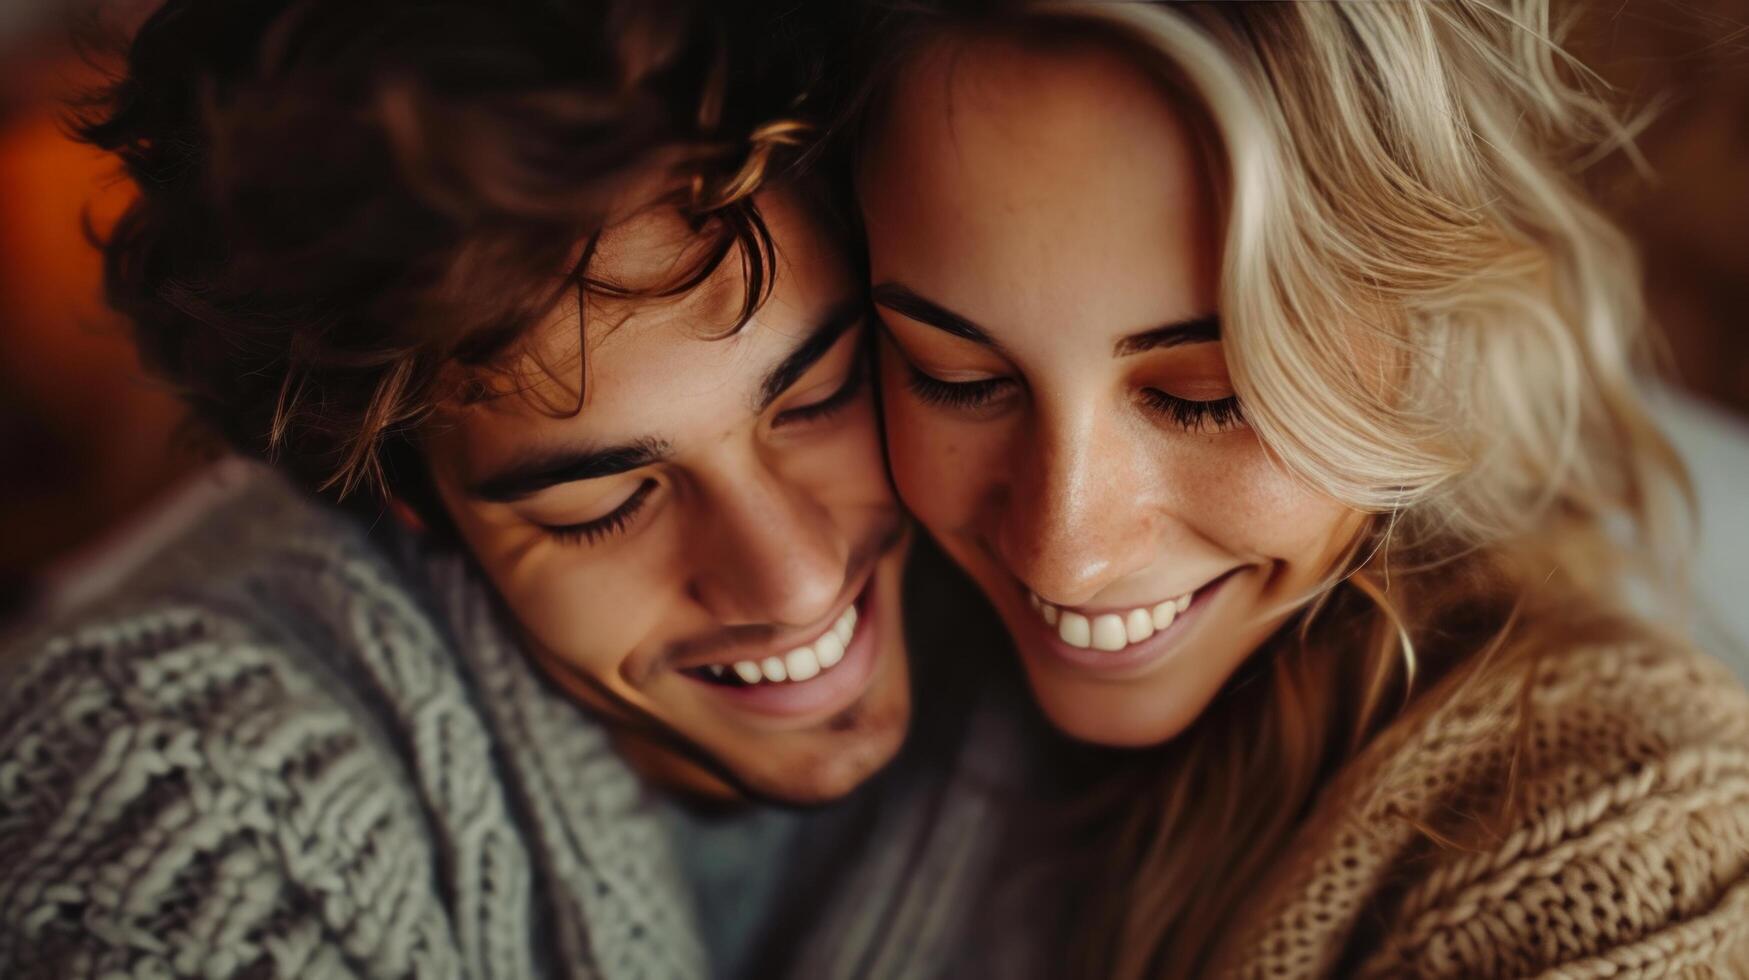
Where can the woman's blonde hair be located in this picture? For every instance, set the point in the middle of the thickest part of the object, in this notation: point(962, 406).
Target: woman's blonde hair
point(1425, 318)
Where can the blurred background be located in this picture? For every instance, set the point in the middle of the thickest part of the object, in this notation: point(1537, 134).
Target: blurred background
point(89, 447)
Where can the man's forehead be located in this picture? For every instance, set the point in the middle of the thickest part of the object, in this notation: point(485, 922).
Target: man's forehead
point(602, 343)
point(595, 320)
point(661, 390)
point(603, 368)
point(632, 366)
point(569, 347)
point(655, 370)
point(645, 251)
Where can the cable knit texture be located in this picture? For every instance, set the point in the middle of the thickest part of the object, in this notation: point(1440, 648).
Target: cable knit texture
point(1624, 851)
point(286, 751)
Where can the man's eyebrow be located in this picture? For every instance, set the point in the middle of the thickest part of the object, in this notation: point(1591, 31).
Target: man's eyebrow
point(541, 469)
point(901, 300)
point(1199, 330)
point(838, 320)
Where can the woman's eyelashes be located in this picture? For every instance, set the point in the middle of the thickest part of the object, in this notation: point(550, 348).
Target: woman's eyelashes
point(1189, 414)
point(609, 524)
point(963, 395)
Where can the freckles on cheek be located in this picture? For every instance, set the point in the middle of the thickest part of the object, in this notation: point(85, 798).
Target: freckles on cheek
point(1251, 503)
point(1242, 488)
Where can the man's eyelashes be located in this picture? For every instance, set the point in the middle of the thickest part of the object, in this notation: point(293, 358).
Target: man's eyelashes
point(854, 382)
point(608, 525)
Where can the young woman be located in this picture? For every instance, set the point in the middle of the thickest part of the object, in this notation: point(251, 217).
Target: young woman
point(1266, 369)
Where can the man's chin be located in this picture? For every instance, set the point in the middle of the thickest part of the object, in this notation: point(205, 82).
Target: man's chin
point(856, 748)
point(832, 759)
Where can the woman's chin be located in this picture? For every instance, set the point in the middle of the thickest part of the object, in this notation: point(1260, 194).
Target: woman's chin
point(1116, 714)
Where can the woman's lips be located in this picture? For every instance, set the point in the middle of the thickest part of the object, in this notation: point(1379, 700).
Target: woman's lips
point(1119, 641)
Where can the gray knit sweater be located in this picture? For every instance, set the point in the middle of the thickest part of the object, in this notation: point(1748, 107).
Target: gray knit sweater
point(288, 750)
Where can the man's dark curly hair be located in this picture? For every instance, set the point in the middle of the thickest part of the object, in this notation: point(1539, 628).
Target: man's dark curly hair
point(339, 201)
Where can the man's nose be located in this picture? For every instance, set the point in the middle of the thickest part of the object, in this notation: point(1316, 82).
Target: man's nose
point(771, 553)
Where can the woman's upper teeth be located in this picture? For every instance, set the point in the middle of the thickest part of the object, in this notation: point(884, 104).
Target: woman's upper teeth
point(1110, 630)
point(802, 663)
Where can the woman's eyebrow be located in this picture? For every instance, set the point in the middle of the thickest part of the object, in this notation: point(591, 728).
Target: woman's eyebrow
point(903, 301)
point(1197, 330)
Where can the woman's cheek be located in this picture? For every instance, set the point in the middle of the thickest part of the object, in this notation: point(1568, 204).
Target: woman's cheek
point(940, 463)
point(940, 466)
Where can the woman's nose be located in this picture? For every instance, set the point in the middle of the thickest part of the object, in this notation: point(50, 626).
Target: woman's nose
point(1078, 516)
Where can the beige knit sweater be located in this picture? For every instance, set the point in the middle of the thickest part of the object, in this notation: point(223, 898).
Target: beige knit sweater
point(1625, 854)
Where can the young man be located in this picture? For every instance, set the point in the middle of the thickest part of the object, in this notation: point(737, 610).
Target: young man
point(533, 275)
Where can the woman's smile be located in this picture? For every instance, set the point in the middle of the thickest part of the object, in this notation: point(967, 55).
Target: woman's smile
point(1118, 643)
point(1061, 412)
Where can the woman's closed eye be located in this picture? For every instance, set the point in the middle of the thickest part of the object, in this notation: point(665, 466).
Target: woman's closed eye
point(1189, 414)
point(962, 395)
point(1194, 415)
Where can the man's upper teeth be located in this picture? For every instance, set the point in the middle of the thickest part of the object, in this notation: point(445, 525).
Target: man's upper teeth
point(829, 649)
point(802, 663)
point(1109, 631)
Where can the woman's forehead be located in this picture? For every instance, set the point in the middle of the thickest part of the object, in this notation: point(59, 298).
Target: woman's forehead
point(1088, 205)
point(1029, 96)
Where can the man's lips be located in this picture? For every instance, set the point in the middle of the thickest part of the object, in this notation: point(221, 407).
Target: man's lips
point(825, 644)
point(809, 683)
point(759, 643)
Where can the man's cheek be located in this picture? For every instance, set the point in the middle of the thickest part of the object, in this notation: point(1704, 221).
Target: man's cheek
point(852, 469)
point(592, 625)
